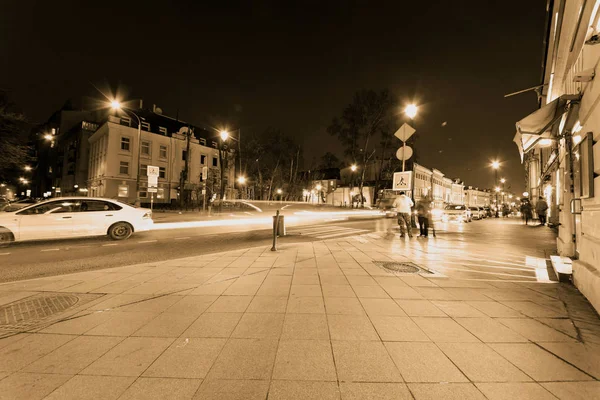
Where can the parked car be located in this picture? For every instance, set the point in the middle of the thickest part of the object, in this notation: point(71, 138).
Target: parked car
point(488, 211)
point(477, 212)
point(73, 217)
point(457, 212)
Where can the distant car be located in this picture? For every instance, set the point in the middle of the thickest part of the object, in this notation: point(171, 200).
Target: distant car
point(17, 205)
point(488, 211)
point(457, 212)
point(386, 207)
point(477, 213)
point(68, 217)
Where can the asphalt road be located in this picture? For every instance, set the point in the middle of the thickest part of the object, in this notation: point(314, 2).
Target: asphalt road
point(48, 258)
point(489, 249)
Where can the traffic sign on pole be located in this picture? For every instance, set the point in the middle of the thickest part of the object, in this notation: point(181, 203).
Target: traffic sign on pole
point(404, 153)
point(405, 132)
point(152, 170)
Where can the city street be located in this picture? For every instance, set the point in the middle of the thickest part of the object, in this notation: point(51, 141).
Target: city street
point(472, 313)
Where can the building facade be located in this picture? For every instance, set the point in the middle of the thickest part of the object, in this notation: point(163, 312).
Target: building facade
point(475, 197)
point(559, 142)
point(115, 151)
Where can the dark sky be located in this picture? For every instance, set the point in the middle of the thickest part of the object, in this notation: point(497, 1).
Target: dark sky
point(294, 67)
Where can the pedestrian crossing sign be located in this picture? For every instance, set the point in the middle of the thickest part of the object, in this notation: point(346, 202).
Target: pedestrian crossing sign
point(402, 180)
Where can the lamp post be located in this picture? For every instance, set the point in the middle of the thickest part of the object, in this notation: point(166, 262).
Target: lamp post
point(411, 112)
point(495, 166)
point(116, 105)
point(319, 187)
point(353, 168)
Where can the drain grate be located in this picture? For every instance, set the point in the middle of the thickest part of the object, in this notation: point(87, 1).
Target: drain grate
point(33, 310)
point(402, 267)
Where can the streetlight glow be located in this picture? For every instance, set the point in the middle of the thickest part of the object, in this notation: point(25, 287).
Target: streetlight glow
point(279, 191)
point(411, 111)
point(353, 167)
point(503, 180)
point(319, 187)
point(48, 136)
point(115, 105)
point(224, 135)
point(27, 168)
point(495, 164)
point(497, 189)
point(242, 180)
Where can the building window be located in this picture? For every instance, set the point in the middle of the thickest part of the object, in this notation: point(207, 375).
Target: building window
point(162, 130)
point(215, 162)
point(124, 168)
point(202, 141)
point(146, 146)
point(202, 159)
point(143, 170)
point(163, 152)
point(215, 145)
point(184, 155)
point(146, 126)
point(162, 172)
point(123, 191)
point(125, 143)
point(143, 192)
point(160, 193)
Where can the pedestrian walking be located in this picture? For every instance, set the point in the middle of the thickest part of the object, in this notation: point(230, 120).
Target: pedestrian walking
point(403, 205)
point(541, 208)
point(526, 211)
point(505, 211)
point(423, 211)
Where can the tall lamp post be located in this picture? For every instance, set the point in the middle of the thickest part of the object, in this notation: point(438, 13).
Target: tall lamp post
point(495, 166)
point(353, 168)
point(411, 112)
point(116, 105)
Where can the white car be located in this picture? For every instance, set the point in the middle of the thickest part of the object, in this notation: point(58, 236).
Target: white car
point(68, 217)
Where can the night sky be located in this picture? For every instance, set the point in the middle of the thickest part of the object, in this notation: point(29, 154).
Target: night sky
point(293, 67)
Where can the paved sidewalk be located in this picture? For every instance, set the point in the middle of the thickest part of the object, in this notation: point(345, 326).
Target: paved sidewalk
point(317, 320)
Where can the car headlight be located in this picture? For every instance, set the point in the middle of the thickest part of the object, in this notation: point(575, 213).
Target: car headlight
point(147, 215)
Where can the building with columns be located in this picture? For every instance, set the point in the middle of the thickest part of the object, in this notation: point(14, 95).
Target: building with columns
point(560, 142)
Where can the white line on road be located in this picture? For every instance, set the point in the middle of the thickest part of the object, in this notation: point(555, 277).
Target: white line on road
point(148, 241)
point(50, 250)
point(183, 237)
point(342, 234)
point(4, 254)
point(109, 244)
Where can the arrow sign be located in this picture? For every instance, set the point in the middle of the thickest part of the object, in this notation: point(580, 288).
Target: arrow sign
point(404, 153)
point(405, 132)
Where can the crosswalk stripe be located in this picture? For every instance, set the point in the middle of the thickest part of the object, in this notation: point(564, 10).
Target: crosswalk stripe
point(317, 230)
point(343, 233)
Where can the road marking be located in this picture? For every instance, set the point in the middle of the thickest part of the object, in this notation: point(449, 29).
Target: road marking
point(4, 254)
point(148, 241)
point(109, 244)
point(284, 207)
point(183, 237)
point(342, 234)
point(50, 250)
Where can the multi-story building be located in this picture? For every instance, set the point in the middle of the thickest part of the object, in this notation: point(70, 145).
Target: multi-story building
point(117, 157)
point(475, 197)
point(560, 142)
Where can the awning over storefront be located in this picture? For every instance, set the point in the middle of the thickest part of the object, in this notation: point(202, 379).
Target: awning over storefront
point(539, 125)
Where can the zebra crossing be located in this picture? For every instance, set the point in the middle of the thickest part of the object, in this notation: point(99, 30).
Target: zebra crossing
point(325, 231)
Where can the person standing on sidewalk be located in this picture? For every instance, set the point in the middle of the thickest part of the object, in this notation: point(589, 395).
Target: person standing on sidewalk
point(423, 211)
point(541, 208)
point(403, 205)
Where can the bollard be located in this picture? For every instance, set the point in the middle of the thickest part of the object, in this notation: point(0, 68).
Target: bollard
point(275, 229)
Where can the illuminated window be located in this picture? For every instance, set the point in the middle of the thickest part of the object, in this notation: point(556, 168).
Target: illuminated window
point(160, 193)
point(123, 191)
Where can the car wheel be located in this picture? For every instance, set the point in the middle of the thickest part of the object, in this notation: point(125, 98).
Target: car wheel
point(120, 231)
point(6, 236)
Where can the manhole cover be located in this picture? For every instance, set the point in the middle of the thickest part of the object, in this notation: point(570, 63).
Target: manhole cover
point(402, 267)
point(32, 310)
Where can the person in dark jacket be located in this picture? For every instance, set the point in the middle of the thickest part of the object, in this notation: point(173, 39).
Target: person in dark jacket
point(423, 213)
point(541, 208)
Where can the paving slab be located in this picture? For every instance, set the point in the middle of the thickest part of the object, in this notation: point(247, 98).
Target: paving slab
point(364, 362)
point(303, 390)
point(245, 359)
point(515, 391)
point(242, 389)
point(379, 391)
point(161, 389)
point(82, 387)
point(32, 386)
point(302, 360)
point(446, 391)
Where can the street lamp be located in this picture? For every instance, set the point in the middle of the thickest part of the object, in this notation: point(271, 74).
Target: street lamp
point(224, 135)
point(411, 111)
point(116, 105)
point(48, 136)
point(241, 180)
point(353, 167)
point(27, 168)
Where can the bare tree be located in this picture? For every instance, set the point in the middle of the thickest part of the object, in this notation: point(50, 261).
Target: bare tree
point(361, 120)
point(14, 151)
